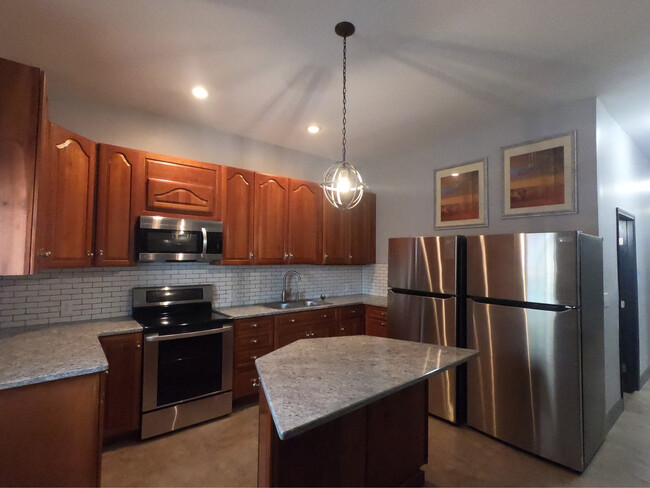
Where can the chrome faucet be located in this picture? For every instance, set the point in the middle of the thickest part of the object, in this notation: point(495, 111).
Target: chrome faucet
point(286, 292)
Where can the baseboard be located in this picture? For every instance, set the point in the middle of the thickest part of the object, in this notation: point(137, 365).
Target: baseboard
point(613, 415)
point(645, 376)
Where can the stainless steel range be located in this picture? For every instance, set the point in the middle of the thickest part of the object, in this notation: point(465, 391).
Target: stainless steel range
point(187, 357)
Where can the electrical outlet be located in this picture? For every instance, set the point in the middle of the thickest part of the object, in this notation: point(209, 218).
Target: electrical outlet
point(66, 308)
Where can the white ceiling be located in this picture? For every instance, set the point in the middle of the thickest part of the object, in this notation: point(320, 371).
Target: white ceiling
point(418, 70)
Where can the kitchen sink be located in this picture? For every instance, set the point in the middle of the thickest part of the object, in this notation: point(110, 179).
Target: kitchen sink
point(295, 304)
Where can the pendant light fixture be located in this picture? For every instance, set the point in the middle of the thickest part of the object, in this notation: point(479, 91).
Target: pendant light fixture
point(342, 183)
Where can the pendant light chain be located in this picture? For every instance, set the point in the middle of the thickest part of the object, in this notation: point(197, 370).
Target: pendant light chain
point(344, 91)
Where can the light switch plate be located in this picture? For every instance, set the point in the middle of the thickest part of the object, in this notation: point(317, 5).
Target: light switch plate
point(606, 299)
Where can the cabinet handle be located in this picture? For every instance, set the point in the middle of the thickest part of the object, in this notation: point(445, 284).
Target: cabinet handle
point(383, 314)
point(324, 315)
point(350, 256)
point(353, 312)
point(286, 255)
point(383, 324)
point(325, 257)
point(342, 329)
point(253, 341)
point(253, 358)
point(90, 254)
point(250, 255)
point(100, 253)
point(291, 255)
point(138, 345)
point(291, 321)
point(255, 382)
point(44, 254)
point(253, 326)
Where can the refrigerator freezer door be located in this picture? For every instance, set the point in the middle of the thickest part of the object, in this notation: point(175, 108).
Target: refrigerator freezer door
point(423, 264)
point(525, 386)
point(433, 321)
point(538, 268)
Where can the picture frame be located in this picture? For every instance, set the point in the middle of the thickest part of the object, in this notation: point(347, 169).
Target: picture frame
point(460, 195)
point(539, 177)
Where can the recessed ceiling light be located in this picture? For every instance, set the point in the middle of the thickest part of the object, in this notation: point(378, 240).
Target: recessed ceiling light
point(200, 92)
point(454, 174)
point(313, 129)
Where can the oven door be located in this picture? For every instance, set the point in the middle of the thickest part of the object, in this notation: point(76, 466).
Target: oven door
point(169, 239)
point(186, 366)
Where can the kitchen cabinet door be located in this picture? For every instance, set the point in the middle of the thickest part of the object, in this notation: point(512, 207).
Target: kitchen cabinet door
point(23, 106)
point(66, 187)
point(362, 230)
point(114, 227)
point(123, 383)
point(348, 327)
point(237, 193)
point(177, 187)
point(376, 323)
point(304, 222)
point(270, 229)
point(336, 234)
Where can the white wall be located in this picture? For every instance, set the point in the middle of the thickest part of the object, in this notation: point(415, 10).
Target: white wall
point(140, 130)
point(623, 181)
point(405, 186)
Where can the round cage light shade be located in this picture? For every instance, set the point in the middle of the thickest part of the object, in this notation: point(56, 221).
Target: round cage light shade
point(342, 185)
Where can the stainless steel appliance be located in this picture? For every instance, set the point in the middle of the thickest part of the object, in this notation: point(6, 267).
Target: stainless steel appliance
point(535, 313)
point(169, 239)
point(426, 303)
point(187, 357)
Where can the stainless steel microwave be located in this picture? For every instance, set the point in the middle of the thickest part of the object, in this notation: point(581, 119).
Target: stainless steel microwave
point(163, 239)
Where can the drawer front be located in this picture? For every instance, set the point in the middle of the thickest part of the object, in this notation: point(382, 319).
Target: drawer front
point(244, 342)
point(245, 358)
point(349, 327)
point(376, 312)
point(351, 312)
point(376, 327)
point(245, 382)
point(327, 329)
point(310, 316)
point(255, 325)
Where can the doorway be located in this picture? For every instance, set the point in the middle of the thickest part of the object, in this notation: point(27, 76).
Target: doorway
point(628, 310)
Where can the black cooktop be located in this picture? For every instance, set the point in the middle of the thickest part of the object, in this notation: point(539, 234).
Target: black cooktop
point(174, 319)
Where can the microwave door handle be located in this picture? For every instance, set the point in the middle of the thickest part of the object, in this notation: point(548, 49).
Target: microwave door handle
point(185, 335)
point(205, 243)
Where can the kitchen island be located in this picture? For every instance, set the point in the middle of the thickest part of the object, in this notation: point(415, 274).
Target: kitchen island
point(347, 411)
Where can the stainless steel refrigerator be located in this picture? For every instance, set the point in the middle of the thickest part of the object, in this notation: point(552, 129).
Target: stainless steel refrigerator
point(535, 313)
point(426, 303)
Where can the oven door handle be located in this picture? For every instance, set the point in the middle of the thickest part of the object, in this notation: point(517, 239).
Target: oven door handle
point(185, 335)
point(205, 242)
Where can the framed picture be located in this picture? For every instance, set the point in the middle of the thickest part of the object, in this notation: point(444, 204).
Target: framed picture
point(461, 195)
point(539, 177)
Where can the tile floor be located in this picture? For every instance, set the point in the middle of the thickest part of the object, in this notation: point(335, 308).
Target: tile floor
point(224, 453)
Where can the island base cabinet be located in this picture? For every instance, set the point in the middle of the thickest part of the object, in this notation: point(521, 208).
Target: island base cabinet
point(51, 433)
point(382, 444)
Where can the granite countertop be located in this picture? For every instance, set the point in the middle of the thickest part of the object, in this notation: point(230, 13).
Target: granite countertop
point(258, 310)
point(312, 381)
point(43, 353)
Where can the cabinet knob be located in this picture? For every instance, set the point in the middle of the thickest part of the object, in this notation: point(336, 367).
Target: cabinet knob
point(253, 341)
point(291, 321)
point(253, 358)
point(350, 256)
point(255, 382)
point(291, 255)
point(44, 254)
point(138, 345)
point(250, 255)
point(325, 257)
point(325, 316)
point(253, 326)
point(342, 329)
point(353, 312)
point(90, 254)
point(383, 324)
point(286, 255)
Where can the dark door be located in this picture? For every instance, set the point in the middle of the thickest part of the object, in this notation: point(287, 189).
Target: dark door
point(628, 313)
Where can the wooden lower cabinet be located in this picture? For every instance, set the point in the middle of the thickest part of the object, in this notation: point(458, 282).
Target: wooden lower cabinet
point(252, 338)
point(350, 321)
point(376, 322)
point(51, 433)
point(303, 325)
point(123, 384)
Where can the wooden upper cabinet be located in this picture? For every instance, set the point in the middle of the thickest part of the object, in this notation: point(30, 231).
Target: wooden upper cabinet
point(237, 208)
point(349, 235)
point(177, 187)
point(304, 222)
point(362, 230)
point(66, 188)
point(336, 234)
point(114, 228)
point(22, 108)
point(270, 229)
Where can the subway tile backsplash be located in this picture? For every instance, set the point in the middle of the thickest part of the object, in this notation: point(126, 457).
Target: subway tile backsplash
point(96, 293)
